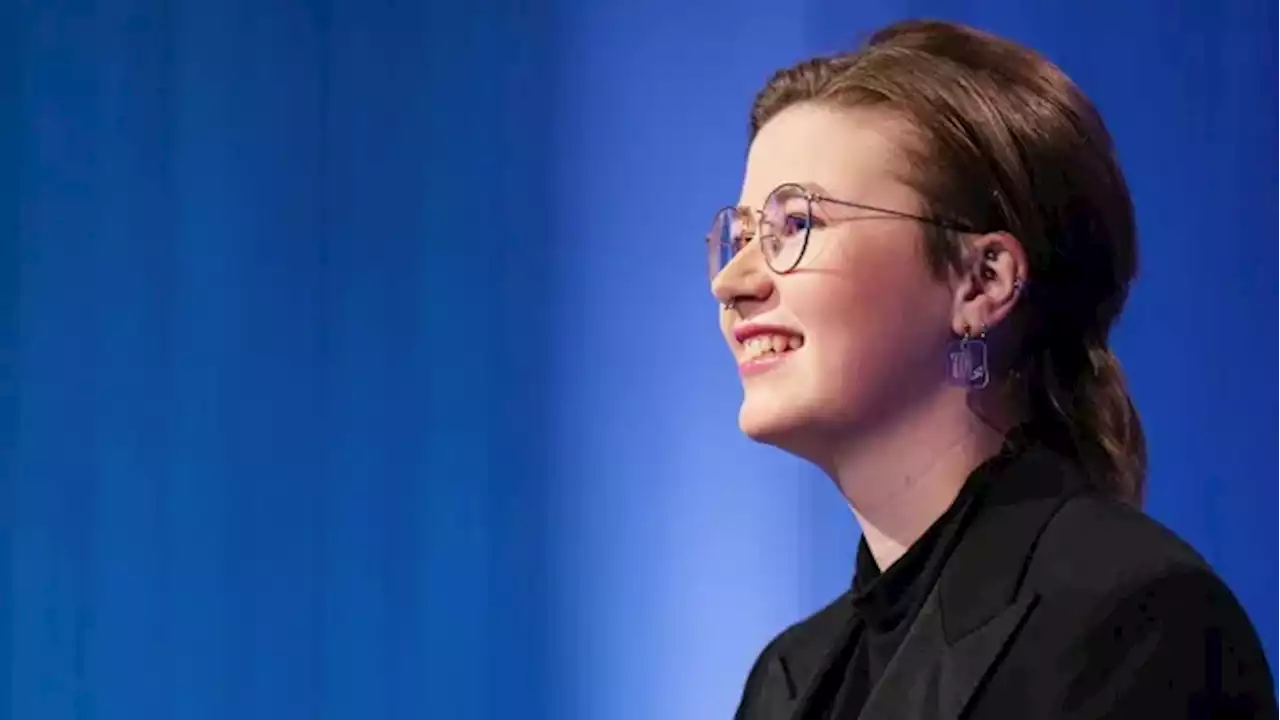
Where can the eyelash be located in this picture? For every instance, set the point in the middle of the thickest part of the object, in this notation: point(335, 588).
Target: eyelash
point(797, 219)
point(815, 223)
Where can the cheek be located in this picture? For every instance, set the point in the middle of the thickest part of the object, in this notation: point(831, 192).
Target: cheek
point(875, 318)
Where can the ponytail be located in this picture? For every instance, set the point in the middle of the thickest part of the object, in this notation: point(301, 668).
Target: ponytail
point(1080, 400)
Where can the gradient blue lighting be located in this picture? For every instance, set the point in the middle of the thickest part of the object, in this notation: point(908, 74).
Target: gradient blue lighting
point(360, 360)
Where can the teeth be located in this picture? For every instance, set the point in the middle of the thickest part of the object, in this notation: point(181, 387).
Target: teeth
point(760, 345)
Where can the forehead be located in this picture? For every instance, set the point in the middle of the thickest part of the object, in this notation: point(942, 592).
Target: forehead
point(847, 152)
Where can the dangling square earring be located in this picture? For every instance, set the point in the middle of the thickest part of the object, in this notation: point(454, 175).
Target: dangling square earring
point(967, 362)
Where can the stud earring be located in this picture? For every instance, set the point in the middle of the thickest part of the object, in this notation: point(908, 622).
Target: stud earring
point(967, 361)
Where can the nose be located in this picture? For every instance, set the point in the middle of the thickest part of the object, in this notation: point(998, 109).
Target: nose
point(746, 278)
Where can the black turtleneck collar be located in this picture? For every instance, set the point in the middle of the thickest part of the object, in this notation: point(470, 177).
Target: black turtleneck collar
point(885, 598)
point(886, 603)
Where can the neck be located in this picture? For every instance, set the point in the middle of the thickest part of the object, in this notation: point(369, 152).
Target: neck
point(900, 479)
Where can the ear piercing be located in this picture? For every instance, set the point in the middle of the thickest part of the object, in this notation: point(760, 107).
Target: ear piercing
point(988, 274)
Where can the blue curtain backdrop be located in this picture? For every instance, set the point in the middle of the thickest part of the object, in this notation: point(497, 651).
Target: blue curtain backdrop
point(358, 359)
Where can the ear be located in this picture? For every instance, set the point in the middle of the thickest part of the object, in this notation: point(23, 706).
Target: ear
point(993, 274)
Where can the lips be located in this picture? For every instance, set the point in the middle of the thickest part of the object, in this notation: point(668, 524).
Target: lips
point(764, 346)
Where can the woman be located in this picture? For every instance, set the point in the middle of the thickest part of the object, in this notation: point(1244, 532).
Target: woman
point(932, 245)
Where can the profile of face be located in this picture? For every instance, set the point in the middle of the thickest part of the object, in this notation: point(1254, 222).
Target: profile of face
point(855, 336)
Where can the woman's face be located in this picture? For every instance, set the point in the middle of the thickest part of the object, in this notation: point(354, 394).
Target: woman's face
point(862, 324)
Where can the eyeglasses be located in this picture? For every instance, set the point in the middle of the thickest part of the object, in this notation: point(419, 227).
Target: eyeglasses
point(783, 227)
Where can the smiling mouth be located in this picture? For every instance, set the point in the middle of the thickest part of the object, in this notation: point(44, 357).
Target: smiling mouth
point(760, 347)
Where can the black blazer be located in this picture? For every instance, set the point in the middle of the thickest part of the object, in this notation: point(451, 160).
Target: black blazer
point(1057, 603)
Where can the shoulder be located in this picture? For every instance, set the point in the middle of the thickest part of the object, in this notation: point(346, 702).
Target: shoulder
point(786, 665)
point(1097, 544)
point(804, 643)
point(815, 633)
point(1140, 615)
point(1098, 557)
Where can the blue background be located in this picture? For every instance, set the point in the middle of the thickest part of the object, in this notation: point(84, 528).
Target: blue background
point(358, 358)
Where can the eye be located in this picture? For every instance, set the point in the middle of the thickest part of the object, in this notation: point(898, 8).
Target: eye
point(795, 224)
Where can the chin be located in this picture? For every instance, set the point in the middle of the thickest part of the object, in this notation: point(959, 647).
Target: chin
point(792, 427)
point(811, 428)
point(761, 430)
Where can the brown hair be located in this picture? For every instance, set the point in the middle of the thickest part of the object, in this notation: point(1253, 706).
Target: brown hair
point(1011, 144)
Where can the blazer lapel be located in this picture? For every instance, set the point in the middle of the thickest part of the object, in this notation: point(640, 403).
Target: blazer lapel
point(967, 662)
point(978, 603)
point(932, 679)
point(972, 613)
point(818, 681)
